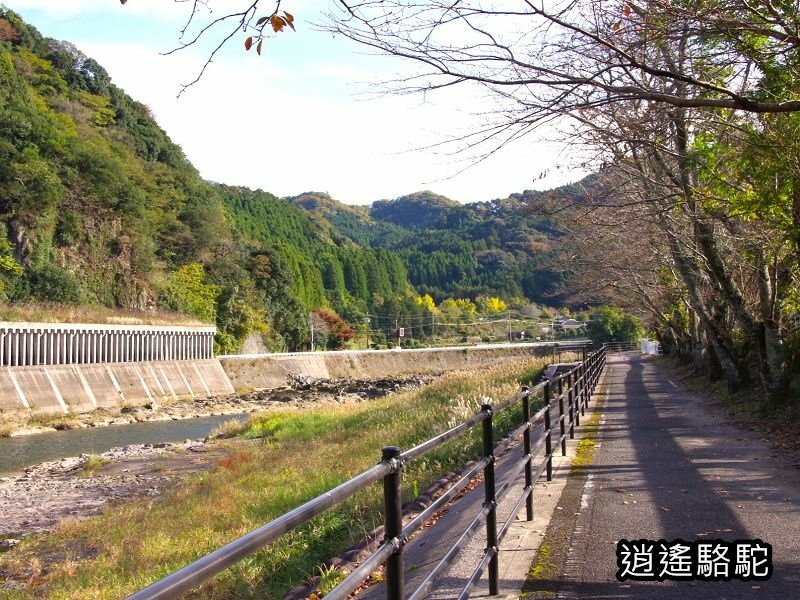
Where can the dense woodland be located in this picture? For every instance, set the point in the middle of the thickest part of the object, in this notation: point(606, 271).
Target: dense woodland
point(99, 207)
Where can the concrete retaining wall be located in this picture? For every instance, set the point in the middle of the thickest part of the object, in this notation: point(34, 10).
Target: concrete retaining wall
point(81, 388)
point(275, 370)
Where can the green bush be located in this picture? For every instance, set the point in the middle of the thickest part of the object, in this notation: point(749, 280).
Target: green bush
point(612, 324)
point(187, 291)
point(51, 284)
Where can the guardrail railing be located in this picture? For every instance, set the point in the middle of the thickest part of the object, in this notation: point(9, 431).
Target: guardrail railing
point(621, 346)
point(565, 399)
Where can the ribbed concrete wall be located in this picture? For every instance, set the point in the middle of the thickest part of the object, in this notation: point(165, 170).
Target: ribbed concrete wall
point(37, 344)
point(81, 388)
point(275, 370)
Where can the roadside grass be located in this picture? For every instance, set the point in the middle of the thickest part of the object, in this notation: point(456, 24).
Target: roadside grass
point(295, 457)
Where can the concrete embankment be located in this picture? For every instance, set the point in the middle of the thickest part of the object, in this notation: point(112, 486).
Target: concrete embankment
point(82, 388)
point(64, 389)
point(256, 372)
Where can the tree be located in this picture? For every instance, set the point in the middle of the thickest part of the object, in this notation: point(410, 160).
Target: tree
point(612, 324)
point(490, 305)
point(336, 332)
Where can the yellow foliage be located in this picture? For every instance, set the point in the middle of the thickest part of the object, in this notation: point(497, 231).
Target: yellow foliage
point(468, 309)
point(426, 301)
point(104, 115)
point(490, 304)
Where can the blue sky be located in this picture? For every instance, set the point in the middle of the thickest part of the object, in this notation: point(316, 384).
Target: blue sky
point(302, 117)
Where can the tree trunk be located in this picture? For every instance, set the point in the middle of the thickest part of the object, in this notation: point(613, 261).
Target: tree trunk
point(735, 374)
point(769, 349)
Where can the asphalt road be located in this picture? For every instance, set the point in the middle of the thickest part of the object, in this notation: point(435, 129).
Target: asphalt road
point(668, 466)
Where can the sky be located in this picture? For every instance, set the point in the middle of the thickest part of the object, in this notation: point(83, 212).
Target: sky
point(304, 116)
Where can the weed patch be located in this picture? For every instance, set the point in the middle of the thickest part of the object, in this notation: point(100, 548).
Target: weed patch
point(92, 465)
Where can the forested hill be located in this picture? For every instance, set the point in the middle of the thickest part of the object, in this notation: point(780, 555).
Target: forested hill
point(99, 207)
point(456, 250)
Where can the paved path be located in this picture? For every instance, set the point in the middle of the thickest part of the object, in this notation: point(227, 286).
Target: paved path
point(426, 549)
point(669, 467)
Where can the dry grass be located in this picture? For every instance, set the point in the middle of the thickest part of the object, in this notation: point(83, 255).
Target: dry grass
point(299, 455)
point(228, 429)
point(59, 313)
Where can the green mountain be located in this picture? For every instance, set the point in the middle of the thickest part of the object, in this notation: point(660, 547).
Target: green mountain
point(452, 249)
point(99, 207)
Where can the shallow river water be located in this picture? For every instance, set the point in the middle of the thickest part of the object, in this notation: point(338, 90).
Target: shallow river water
point(19, 452)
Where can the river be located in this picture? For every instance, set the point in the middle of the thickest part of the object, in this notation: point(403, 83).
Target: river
point(16, 453)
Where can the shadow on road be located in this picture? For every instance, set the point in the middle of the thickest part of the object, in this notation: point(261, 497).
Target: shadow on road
point(668, 469)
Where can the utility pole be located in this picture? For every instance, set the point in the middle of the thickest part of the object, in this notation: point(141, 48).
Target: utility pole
point(311, 329)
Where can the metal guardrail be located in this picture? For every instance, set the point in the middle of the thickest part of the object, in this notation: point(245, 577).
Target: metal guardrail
point(566, 395)
point(613, 347)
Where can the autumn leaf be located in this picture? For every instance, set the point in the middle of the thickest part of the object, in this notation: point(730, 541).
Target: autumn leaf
point(277, 23)
point(261, 21)
point(122, 1)
point(616, 26)
point(627, 10)
point(289, 20)
point(248, 43)
point(258, 48)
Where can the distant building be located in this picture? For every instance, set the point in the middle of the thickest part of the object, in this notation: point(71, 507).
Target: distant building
point(566, 324)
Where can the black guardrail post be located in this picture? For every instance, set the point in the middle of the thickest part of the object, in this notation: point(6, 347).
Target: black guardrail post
point(548, 432)
point(571, 406)
point(584, 388)
point(526, 449)
point(393, 524)
point(490, 501)
point(573, 385)
point(562, 424)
